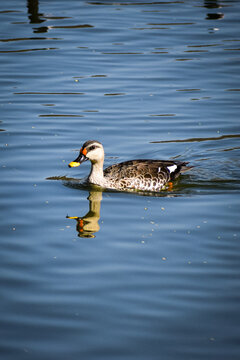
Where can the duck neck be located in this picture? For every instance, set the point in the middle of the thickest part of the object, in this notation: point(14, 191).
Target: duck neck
point(96, 174)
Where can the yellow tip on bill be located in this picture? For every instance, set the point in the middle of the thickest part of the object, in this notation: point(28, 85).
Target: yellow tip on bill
point(74, 164)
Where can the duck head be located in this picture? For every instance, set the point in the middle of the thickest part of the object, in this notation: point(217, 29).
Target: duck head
point(91, 150)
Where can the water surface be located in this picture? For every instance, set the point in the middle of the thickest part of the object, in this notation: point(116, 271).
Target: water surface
point(113, 275)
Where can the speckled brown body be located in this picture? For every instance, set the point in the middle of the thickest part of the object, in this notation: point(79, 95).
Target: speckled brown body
point(143, 175)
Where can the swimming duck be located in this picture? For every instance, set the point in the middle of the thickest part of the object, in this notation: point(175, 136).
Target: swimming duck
point(144, 175)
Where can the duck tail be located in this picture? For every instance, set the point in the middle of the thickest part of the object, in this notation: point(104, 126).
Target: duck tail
point(184, 167)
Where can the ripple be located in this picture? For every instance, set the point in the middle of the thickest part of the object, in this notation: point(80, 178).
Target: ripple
point(10, 11)
point(91, 111)
point(162, 115)
point(203, 45)
point(184, 59)
point(26, 50)
point(90, 76)
point(60, 115)
point(114, 94)
point(48, 93)
point(151, 28)
point(159, 52)
point(113, 3)
point(56, 17)
point(171, 24)
point(196, 51)
point(98, 76)
point(122, 53)
point(84, 26)
point(222, 137)
point(232, 90)
point(30, 38)
point(237, 49)
point(228, 149)
point(188, 90)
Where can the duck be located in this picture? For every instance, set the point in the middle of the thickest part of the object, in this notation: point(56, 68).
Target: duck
point(134, 175)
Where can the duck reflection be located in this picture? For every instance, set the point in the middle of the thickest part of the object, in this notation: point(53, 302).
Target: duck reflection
point(87, 225)
point(34, 15)
point(213, 4)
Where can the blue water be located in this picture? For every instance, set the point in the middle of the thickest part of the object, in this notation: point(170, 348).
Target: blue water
point(112, 275)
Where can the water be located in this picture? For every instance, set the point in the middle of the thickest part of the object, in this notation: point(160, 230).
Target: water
point(93, 275)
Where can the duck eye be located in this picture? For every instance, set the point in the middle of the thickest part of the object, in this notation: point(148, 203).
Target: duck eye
point(92, 147)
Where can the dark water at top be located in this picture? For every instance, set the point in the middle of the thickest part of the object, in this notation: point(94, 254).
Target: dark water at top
point(92, 275)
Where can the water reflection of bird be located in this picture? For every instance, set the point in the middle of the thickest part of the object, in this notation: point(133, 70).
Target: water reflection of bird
point(143, 175)
point(88, 225)
point(34, 15)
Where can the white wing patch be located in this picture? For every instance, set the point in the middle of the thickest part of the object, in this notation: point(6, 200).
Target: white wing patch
point(172, 168)
point(159, 169)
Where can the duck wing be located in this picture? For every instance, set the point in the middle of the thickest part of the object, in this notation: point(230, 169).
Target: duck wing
point(148, 173)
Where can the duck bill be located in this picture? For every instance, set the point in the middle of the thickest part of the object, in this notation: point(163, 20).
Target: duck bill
point(79, 160)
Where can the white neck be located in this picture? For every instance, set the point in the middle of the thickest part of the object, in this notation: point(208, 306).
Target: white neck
point(96, 174)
